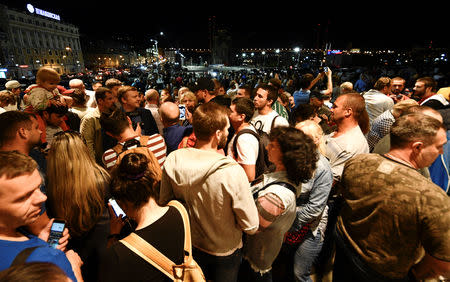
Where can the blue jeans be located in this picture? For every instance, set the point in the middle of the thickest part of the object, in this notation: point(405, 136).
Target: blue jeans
point(217, 268)
point(305, 256)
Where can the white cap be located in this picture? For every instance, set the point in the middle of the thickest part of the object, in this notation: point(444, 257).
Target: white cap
point(12, 84)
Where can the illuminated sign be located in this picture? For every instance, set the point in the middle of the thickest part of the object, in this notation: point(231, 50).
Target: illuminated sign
point(334, 52)
point(3, 73)
point(40, 12)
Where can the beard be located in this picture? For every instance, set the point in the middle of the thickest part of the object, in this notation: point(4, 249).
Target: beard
point(222, 142)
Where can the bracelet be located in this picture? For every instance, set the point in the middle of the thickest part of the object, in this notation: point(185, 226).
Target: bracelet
point(113, 236)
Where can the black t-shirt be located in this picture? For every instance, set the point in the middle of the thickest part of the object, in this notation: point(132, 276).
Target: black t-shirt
point(166, 235)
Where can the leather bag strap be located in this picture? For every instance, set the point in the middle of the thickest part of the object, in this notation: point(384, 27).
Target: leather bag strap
point(150, 254)
point(187, 230)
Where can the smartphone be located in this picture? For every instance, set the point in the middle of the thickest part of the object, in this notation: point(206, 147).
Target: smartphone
point(182, 111)
point(56, 232)
point(117, 209)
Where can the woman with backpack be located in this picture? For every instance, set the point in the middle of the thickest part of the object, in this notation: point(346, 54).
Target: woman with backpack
point(293, 154)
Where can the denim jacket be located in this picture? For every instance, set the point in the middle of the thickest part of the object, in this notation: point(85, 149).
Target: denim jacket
point(312, 201)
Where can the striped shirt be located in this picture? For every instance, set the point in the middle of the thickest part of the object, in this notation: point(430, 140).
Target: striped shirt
point(155, 144)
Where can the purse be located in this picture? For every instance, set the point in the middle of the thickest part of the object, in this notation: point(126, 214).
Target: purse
point(189, 270)
point(294, 238)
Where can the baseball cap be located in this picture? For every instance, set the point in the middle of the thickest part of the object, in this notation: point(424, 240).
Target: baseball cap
point(318, 95)
point(203, 83)
point(12, 84)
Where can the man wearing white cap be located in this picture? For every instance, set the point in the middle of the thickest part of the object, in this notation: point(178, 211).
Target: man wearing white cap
point(16, 88)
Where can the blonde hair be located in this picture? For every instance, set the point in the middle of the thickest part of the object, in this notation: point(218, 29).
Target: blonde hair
point(76, 183)
point(47, 74)
point(382, 82)
point(190, 95)
point(182, 90)
point(403, 106)
point(313, 130)
point(346, 87)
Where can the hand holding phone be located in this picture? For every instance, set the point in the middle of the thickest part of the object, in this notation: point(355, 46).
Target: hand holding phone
point(117, 209)
point(182, 111)
point(56, 232)
point(118, 217)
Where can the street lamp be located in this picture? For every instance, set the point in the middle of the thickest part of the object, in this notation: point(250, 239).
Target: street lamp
point(278, 52)
point(297, 50)
point(156, 45)
point(264, 57)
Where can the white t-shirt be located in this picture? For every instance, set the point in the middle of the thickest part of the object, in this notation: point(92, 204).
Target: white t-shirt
point(81, 112)
point(266, 120)
point(247, 148)
point(342, 148)
point(91, 103)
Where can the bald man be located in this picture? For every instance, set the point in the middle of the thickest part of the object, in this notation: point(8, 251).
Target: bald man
point(79, 84)
point(173, 132)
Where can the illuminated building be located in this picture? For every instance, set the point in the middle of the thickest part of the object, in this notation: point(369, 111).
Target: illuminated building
point(33, 38)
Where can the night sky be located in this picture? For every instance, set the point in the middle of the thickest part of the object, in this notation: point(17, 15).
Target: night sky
point(269, 25)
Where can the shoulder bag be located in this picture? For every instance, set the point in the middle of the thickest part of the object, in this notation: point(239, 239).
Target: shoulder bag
point(189, 270)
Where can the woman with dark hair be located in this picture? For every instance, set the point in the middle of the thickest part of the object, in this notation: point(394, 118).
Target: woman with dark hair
point(294, 155)
point(135, 187)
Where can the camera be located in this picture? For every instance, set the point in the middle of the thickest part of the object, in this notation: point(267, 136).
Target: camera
point(323, 69)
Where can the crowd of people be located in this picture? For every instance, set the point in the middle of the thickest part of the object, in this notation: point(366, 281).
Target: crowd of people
point(296, 177)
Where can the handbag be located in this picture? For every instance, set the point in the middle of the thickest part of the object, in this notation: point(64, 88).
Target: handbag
point(189, 270)
point(296, 237)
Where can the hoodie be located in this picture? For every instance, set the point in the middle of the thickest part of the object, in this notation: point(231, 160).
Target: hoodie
point(216, 193)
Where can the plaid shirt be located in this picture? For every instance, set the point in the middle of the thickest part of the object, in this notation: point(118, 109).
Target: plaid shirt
point(380, 128)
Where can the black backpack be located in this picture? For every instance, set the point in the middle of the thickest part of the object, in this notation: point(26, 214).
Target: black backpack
point(262, 161)
point(264, 137)
point(264, 140)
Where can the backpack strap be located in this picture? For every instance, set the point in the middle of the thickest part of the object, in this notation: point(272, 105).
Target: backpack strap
point(119, 148)
point(273, 122)
point(144, 140)
point(243, 131)
point(281, 183)
point(23, 255)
